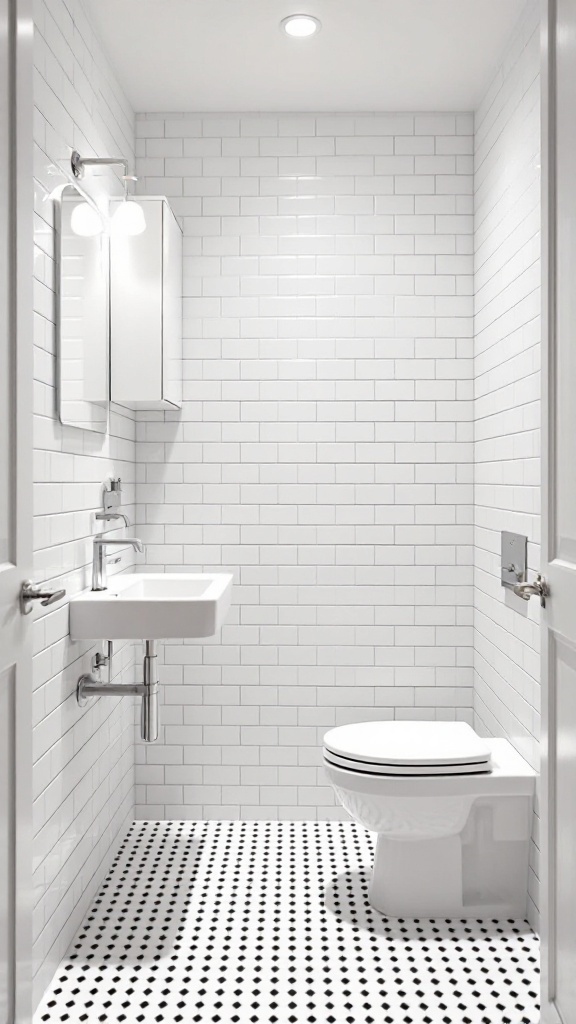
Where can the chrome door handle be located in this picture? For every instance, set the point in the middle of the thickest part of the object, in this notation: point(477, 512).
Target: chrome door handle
point(33, 592)
point(539, 588)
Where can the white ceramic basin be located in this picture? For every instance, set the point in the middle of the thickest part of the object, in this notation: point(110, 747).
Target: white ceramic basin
point(152, 606)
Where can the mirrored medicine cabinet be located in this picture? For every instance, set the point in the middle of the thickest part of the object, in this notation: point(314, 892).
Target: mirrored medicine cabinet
point(119, 307)
point(83, 328)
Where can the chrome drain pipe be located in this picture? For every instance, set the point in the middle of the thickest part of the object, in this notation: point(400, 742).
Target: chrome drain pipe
point(149, 711)
point(90, 686)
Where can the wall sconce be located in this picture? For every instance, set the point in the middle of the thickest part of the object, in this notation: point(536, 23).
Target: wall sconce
point(128, 219)
point(85, 220)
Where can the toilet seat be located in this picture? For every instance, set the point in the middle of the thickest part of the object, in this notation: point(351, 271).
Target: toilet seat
point(407, 748)
point(395, 769)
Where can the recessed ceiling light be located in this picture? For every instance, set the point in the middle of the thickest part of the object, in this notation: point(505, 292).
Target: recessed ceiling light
point(300, 26)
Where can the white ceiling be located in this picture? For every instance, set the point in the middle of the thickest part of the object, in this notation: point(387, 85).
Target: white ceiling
point(206, 55)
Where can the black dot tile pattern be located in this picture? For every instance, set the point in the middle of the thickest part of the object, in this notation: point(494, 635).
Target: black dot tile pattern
point(269, 923)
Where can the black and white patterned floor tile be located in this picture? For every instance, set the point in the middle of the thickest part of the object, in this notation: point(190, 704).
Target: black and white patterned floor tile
point(257, 922)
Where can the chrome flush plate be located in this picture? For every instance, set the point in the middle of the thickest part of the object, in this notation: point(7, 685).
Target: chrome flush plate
point(514, 559)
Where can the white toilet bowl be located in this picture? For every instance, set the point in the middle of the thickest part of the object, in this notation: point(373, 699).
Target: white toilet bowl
point(453, 813)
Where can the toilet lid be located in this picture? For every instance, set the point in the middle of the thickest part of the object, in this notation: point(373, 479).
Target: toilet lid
point(408, 744)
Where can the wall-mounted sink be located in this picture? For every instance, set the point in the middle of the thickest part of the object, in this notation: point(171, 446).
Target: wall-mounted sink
point(152, 606)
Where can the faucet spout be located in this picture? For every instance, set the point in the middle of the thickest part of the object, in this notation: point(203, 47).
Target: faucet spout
point(107, 516)
point(100, 543)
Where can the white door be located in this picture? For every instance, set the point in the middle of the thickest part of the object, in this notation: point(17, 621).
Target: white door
point(15, 508)
point(559, 521)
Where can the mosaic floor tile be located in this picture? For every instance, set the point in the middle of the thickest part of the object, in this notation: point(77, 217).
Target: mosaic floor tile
point(257, 922)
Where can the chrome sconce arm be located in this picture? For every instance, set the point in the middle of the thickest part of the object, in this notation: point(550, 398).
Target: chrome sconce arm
point(80, 162)
point(130, 216)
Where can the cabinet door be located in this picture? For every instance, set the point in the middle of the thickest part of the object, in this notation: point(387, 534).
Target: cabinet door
point(136, 276)
point(172, 312)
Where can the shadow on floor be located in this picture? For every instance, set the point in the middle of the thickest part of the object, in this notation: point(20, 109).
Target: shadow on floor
point(146, 895)
point(347, 899)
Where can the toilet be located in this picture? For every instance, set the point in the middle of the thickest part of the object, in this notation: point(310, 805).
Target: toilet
point(453, 813)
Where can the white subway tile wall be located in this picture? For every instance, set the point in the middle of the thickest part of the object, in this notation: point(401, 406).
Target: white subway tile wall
point(324, 452)
point(507, 393)
point(83, 759)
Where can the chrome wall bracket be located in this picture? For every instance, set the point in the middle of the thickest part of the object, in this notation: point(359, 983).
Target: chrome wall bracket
point(514, 562)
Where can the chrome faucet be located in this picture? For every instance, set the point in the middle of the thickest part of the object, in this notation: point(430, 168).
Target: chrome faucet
point(99, 579)
point(107, 516)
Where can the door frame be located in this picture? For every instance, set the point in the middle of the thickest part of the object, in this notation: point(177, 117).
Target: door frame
point(21, 263)
point(22, 203)
point(548, 328)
